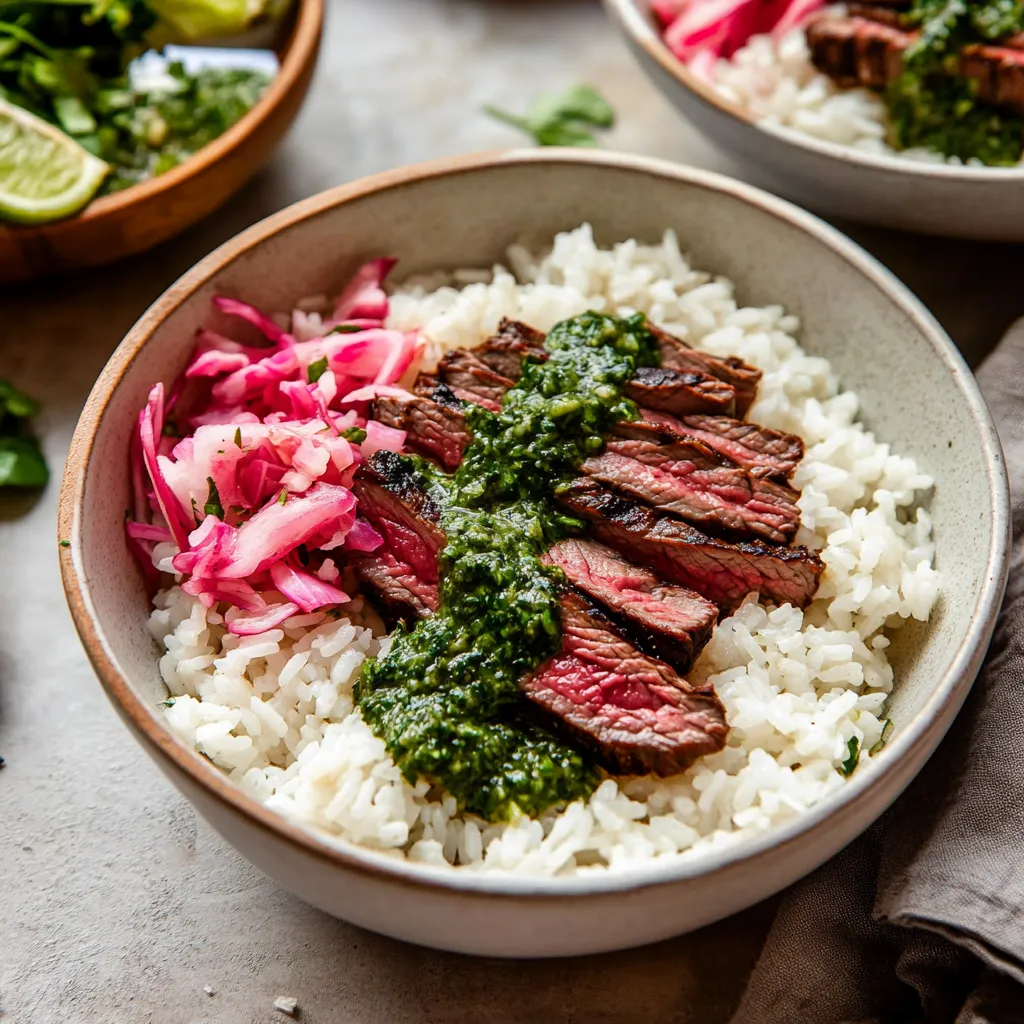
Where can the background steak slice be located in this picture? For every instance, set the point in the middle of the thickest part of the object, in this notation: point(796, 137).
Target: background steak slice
point(403, 514)
point(679, 392)
point(743, 378)
point(672, 622)
point(751, 446)
point(683, 476)
point(435, 430)
point(632, 709)
point(396, 586)
point(725, 573)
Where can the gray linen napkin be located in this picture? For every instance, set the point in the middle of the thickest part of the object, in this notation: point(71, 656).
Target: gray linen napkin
point(922, 918)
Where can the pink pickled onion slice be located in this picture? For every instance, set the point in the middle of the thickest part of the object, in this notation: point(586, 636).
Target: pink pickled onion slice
point(666, 11)
point(151, 425)
point(796, 13)
point(379, 436)
point(265, 324)
point(213, 362)
point(702, 64)
point(278, 529)
point(363, 537)
point(309, 592)
point(148, 531)
point(210, 548)
point(262, 621)
point(364, 295)
point(371, 391)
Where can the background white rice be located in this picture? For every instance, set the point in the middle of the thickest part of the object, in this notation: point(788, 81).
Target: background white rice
point(275, 711)
point(777, 83)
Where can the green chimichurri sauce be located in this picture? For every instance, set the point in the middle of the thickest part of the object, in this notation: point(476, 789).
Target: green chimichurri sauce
point(932, 105)
point(446, 697)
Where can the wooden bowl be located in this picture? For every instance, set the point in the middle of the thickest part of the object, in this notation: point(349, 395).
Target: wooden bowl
point(144, 215)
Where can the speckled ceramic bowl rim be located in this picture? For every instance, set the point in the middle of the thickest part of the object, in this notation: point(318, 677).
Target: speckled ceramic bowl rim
point(637, 23)
point(150, 729)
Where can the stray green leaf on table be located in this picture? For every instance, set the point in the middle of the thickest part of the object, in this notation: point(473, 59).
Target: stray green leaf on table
point(562, 118)
point(21, 459)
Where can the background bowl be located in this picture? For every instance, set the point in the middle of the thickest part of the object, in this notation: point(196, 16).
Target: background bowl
point(935, 199)
point(144, 215)
point(917, 394)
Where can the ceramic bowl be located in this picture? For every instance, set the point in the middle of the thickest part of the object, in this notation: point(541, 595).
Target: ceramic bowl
point(136, 219)
point(936, 199)
point(917, 394)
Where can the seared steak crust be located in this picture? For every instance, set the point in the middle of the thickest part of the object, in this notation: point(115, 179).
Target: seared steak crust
point(632, 709)
point(725, 573)
point(435, 429)
point(670, 621)
point(680, 392)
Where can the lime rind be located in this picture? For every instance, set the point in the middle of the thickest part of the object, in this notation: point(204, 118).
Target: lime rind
point(44, 174)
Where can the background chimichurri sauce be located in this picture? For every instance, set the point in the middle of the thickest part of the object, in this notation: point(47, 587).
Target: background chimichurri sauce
point(931, 105)
point(446, 697)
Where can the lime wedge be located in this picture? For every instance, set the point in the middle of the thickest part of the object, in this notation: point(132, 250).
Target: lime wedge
point(44, 174)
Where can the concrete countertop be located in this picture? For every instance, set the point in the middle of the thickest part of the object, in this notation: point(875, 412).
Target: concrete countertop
point(116, 904)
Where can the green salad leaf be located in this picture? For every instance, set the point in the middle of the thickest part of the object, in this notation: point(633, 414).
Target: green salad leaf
point(22, 464)
point(562, 118)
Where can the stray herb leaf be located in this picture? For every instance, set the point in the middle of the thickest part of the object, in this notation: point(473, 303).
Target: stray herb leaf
point(283, 497)
point(884, 738)
point(65, 543)
point(354, 434)
point(316, 369)
point(21, 459)
point(853, 752)
point(562, 118)
point(169, 703)
point(238, 437)
point(213, 506)
point(345, 329)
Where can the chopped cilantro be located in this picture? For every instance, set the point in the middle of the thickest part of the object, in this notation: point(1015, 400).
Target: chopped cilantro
point(213, 506)
point(238, 437)
point(562, 118)
point(884, 738)
point(65, 543)
point(354, 434)
point(283, 496)
point(345, 329)
point(316, 369)
point(853, 757)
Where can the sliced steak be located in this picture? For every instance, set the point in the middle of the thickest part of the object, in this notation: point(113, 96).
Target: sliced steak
point(687, 478)
point(679, 392)
point(396, 586)
point(866, 48)
point(404, 515)
point(505, 351)
point(466, 374)
point(435, 426)
point(753, 447)
point(631, 708)
point(672, 622)
point(743, 378)
point(725, 573)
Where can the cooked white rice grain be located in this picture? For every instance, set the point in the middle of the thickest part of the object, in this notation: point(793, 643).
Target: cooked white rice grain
point(275, 712)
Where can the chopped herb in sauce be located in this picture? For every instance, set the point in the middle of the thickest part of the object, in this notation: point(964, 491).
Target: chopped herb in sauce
point(446, 697)
point(316, 370)
point(853, 757)
point(213, 506)
point(932, 105)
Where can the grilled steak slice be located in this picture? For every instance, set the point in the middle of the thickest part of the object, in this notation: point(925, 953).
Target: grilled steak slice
point(867, 49)
point(435, 427)
point(405, 516)
point(631, 708)
point(505, 351)
point(742, 377)
point(679, 392)
point(466, 374)
point(685, 477)
point(396, 586)
point(430, 385)
point(857, 51)
point(725, 573)
point(753, 447)
point(672, 622)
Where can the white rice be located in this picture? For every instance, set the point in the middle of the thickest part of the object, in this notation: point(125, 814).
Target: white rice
point(775, 81)
point(275, 711)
